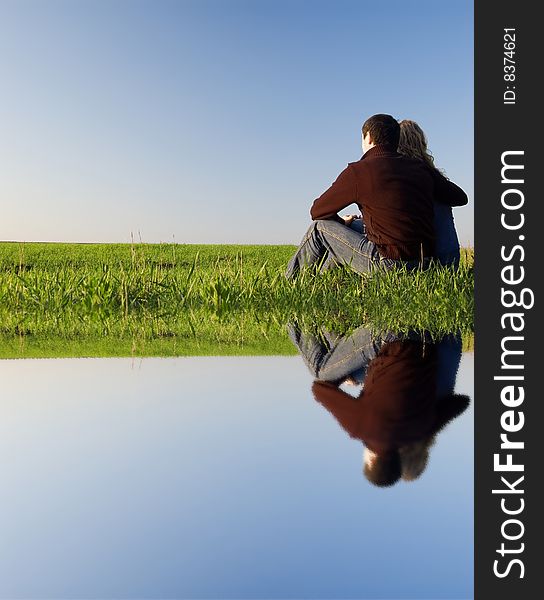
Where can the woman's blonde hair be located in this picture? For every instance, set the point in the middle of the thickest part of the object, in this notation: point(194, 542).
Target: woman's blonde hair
point(413, 142)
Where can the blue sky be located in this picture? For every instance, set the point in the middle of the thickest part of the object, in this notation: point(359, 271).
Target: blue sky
point(215, 121)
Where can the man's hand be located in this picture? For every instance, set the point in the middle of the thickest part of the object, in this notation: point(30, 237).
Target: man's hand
point(348, 219)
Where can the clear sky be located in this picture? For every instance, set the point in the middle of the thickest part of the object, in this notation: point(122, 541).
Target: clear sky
point(215, 121)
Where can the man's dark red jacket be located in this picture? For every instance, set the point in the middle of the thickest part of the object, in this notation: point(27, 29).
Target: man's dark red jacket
point(396, 196)
point(399, 403)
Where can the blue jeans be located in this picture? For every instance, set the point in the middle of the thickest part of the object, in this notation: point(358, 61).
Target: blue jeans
point(333, 358)
point(328, 243)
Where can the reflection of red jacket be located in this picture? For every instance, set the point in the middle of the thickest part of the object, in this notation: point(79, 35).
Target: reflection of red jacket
point(398, 404)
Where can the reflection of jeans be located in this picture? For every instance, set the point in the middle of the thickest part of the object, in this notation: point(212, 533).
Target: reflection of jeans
point(328, 243)
point(333, 358)
point(449, 351)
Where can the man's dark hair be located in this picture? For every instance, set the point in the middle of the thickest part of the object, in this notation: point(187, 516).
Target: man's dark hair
point(386, 469)
point(383, 129)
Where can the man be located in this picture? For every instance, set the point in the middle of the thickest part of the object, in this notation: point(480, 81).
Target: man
point(395, 195)
point(401, 393)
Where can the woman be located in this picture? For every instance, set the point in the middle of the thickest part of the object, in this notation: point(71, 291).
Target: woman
point(413, 143)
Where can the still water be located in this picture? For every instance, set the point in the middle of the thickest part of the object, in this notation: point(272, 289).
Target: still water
point(232, 477)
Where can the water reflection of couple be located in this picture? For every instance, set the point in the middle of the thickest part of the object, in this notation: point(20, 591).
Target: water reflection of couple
point(406, 394)
point(405, 201)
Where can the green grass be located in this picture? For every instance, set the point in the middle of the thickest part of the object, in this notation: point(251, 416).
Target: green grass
point(52, 256)
point(200, 299)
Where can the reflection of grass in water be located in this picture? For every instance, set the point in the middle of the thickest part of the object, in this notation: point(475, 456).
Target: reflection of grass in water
point(190, 335)
point(208, 294)
point(468, 342)
point(235, 336)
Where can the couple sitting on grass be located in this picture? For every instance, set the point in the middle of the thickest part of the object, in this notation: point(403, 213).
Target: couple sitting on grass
point(393, 393)
point(405, 201)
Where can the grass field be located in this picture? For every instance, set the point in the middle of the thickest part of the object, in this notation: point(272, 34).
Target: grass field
point(206, 297)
